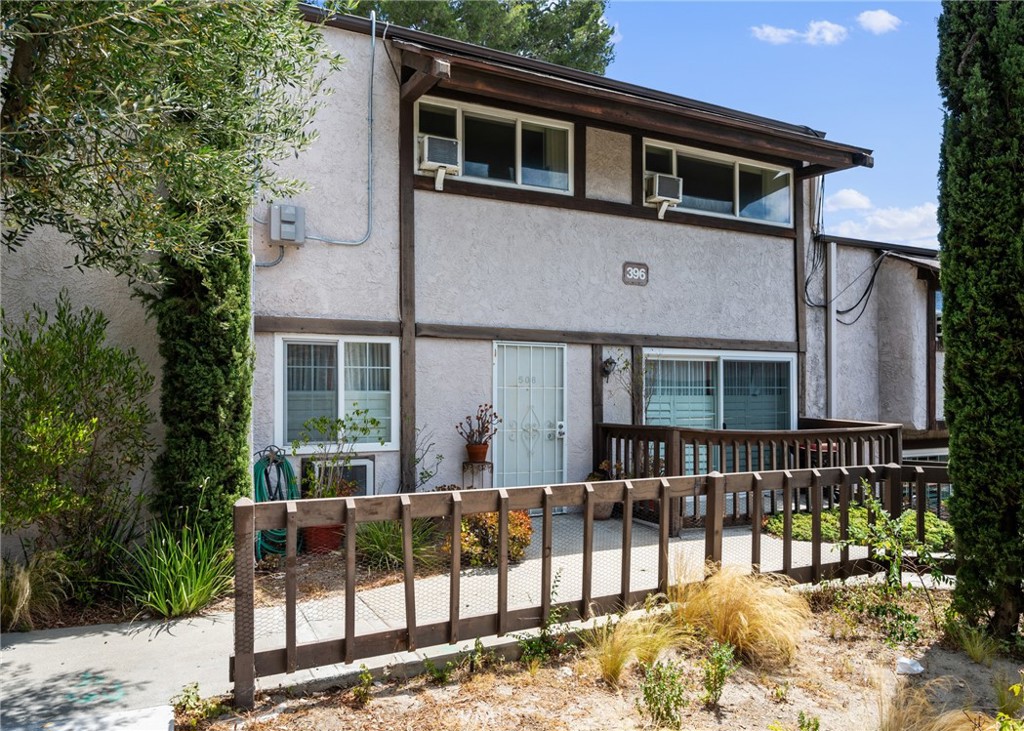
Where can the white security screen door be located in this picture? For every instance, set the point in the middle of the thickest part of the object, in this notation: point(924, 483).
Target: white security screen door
point(529, 395)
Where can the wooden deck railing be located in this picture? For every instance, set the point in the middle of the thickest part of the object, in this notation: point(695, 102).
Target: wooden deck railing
point(655, 451)
point(898, 487)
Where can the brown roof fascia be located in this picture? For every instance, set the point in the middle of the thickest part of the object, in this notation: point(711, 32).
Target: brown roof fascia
point(695, 118)
point(880, 246)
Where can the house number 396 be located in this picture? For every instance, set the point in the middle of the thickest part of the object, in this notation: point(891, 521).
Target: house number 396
point(635, 273)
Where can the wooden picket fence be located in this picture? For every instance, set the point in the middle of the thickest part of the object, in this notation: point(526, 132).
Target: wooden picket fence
point(921, 488)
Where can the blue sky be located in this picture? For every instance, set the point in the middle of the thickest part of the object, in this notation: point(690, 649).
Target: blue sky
point(864, 73)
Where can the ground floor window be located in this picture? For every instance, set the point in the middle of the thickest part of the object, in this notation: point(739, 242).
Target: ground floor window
point(720, 390)
point(332, 376)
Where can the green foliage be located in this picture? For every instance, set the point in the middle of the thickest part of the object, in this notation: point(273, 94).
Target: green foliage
point(567, 32)
point(190, 708)
point(717, 667)
point(551, 640)
point(362, 692)
point(203, 320)
point(438, 674)
point(379, 544)
point(1009, 698)
point(179, 570)
point(981, 218)
point(334, 440)
point(136, 128)
point(938, 533)
point(663, 693)
point(74, 431)
point(975, 641)
point(480, 547)
point(32, 592)
point(808, 723)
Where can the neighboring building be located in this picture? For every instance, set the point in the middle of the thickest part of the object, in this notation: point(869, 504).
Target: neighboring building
point(527, 235)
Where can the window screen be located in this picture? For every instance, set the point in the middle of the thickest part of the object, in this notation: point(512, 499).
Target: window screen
point(311, 391)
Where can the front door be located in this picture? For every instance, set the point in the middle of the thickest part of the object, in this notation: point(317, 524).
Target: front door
point(529, 395)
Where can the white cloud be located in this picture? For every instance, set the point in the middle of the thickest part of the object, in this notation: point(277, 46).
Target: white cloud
point(818, 33)
point(847, 199)
point(824, 33)
point(915, 226)
point(878, 21)
point(773, 35)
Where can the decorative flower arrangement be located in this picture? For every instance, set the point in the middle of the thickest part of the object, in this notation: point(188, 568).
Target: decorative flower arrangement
point(481, 428)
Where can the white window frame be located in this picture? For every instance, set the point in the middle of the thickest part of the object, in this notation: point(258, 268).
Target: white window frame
point(719, 357)
point(720, 158)
point(282, 340)
point(496, 115)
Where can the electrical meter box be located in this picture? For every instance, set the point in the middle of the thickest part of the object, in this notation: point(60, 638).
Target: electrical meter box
point(287, 224)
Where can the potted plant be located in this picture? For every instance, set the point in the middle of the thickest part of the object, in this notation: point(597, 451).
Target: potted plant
point(334, 441)
point(478, 431)
point(602, 510)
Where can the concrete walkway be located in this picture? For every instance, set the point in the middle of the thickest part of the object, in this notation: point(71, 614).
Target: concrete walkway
point(89, 678)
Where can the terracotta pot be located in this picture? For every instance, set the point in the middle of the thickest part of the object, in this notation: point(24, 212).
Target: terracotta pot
point(603, 511)
point(322, 538)
point(477, 452)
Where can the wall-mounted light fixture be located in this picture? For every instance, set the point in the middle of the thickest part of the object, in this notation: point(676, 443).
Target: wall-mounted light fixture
point(608, 366)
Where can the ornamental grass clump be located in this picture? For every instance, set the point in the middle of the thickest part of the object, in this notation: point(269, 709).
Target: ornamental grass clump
point(755, 613)
point(614, 645)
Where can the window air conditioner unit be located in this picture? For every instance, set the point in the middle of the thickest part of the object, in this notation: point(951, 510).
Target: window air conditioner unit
point(439, 152)
point(358, 471)
point(664, 188)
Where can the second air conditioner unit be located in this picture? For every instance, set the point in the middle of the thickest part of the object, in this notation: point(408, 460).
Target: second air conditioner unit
point(439, 152)
point(664, 188)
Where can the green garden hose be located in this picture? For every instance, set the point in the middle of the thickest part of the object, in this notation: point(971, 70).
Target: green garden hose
point(273, 479)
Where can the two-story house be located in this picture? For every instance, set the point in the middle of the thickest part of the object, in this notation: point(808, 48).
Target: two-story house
point(486, 228)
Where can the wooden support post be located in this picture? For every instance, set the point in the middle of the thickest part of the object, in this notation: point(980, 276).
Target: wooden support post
point(756, 514)
point(664, 533)
point(894, 491)
point(502, 627)
point(627, 540)
point(410, 573)
point(456, 568)
point(350, 580)
point(545, 558)
point(844, 522)
point(588, 547)
point(290, 589)
point(714, 518)
point(787, 522)
point(244, 667)
point(921, 500)
point(816, 525)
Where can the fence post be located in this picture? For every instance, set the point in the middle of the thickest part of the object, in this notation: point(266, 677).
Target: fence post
point(894, 490)
point(714, 517)
point(244, 668)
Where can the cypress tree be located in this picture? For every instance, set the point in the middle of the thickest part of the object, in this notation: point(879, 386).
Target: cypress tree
point(981, 215)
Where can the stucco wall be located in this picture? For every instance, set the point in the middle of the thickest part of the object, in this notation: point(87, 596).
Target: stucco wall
point(609, 162)
point(856, 387)
point(940, 392)
point(903, 344)
point(482, 262)
point(332, 281)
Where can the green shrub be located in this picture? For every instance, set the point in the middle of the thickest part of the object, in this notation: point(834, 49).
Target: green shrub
point(663, 693)
point(480, 538)
point(179, 570)
point(938, 533)
point(379, 544)
point(74, 431)
point(717, 667)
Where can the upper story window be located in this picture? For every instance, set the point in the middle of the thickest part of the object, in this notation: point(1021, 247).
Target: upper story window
point(722, 186)
point(500, 147)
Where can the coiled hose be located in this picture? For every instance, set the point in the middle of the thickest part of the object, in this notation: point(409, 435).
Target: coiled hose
point(273, 479)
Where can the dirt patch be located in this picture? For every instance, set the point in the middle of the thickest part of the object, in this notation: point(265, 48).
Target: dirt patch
point(843, 671)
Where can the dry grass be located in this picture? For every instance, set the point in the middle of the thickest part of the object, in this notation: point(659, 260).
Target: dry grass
point(613, 645)
point(755, 613)
point(910, 708)
point(976, 642)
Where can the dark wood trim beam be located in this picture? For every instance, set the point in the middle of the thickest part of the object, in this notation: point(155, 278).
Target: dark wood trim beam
point(578, 337)
point(799, 249)
point(636, 383)
point(636, 145)
point(407, 294)
point(324, 326)
point(537, 198)
point(596, 399)
point(423, 81)
point(579, 161)
point(476, 78)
